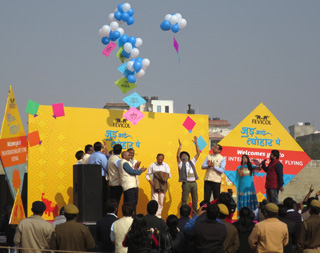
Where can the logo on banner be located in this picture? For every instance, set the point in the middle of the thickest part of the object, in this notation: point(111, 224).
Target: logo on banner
point(122, 123)
point(263, 120)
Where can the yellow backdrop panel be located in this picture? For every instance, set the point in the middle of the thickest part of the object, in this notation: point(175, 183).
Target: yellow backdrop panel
point(50, 165)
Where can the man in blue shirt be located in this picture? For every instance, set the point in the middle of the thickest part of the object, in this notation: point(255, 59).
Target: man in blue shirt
point(98, 158)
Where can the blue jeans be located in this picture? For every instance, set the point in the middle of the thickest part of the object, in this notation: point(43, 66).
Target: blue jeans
point(272, 195)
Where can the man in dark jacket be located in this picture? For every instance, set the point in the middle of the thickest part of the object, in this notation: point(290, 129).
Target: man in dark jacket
point(104, 227)
point(274, 179)
point(210, 234)
point(282, 213)
point(152, 220)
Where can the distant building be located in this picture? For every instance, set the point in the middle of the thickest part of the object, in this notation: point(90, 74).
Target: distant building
point(155, 105)
point(301, 129)
point(218, 129)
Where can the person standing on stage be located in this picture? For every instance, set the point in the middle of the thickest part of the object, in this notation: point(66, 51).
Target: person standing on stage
point(157, 175)
point(246, 192)
point(88, 149)
point(188, 175)
point(274, 179)
point(128, 179)
point(113, 173)
point(214, 166)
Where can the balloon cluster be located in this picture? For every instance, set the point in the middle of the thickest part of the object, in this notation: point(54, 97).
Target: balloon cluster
point(110, 33)
point(136, 66)
point(130, 46)
point(123, 13)
point(175, 22)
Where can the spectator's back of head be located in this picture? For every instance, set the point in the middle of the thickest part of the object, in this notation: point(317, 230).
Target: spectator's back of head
point(112, 205)
point(117, 149)
point(127, 209)
point(315, 207)
point(97, 146)
point(282, 213)
point(152, 207)
point(185, 210)
point(212, 212)
point(289, 203)
point(38, 207)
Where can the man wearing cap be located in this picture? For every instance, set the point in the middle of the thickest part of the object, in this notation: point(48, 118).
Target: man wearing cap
point(270, 235)
point(231, 244)
point(188, 175)
point(309, 238)
point(71, 235)
point(34, 232)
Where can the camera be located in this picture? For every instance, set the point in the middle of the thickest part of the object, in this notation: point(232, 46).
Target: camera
point(227, 199)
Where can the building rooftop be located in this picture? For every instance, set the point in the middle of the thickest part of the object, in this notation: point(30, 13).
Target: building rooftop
point(219, 123)
point(216, 136)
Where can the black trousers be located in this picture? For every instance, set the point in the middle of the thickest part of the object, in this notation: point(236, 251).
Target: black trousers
point(116, 192)
point(211, 187)
point(131, 196)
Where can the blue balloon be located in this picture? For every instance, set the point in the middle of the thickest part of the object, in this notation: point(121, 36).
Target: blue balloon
point(128, 72)
point(131, 12)
point(116, 35)
point(175, 28)
point(125, 54)
point(120, 7)
point(137, 65)
point(125, 16)
point(130, 21)
point(132, 40)
point(117, 15)
point(123, 39)
point(132, 59)
point(105, 40)
point(165, 25)
point(131, 79)
point(139, 59)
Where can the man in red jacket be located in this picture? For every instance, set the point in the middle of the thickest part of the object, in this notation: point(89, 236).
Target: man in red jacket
point(274, 179)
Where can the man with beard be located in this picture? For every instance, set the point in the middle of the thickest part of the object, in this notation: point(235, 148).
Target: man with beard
point(274, 179)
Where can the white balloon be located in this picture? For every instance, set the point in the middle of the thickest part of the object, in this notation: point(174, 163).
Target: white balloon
point(140, 74)
point(178, 15)
point(106, 30)
point(130, 66)
point(126, 7)
point(138, 42)
point(127, 47)
point(121, 31)
point(134, 52)
point(114, 25)
point(167, 17)
point(101, 33)
point(173, 19)
point(111, 17)
point(145, 63)
point(182, 23)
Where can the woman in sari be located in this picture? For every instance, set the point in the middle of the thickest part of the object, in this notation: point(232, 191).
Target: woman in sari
point(246, 193)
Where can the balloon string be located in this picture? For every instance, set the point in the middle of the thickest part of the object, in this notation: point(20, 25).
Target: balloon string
point(179, 60)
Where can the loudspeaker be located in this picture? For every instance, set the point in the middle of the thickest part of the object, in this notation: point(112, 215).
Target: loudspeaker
point(87, 191)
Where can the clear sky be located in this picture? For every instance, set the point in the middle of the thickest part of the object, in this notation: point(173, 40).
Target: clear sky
point(234, 55)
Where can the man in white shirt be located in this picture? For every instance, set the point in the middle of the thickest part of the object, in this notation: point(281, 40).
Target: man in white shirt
point(188, 175)
point(157, 175)
point(88, 149)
